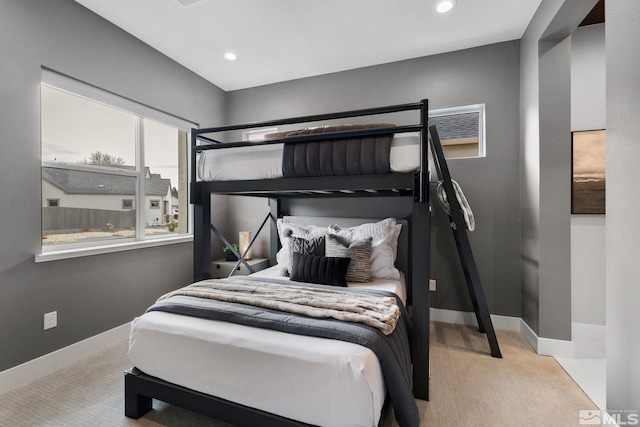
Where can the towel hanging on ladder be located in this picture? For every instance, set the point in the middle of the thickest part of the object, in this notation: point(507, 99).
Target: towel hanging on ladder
point(462, 200)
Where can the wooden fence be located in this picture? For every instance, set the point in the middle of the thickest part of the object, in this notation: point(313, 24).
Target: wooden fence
point(81, 219)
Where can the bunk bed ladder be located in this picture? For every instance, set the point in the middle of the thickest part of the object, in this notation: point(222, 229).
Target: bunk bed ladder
point(458, 228)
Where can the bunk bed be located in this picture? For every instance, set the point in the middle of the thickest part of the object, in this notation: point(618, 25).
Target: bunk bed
point(140, 387)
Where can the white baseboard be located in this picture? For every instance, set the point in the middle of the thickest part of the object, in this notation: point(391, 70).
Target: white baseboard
point(506, 323)
point(48, 363)
point(556, 348)
point(544, 346)
point(547, 346)
point(587, 341)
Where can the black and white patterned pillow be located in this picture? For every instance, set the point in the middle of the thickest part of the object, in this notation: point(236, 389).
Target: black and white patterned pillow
point(286, 230)
point(319, 269)
point(304, 246)
point(360, 253)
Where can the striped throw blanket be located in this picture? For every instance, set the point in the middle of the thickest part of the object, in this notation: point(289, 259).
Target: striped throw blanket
point(376, 311)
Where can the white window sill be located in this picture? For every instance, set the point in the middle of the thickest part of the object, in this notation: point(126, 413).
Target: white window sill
point(110, 248)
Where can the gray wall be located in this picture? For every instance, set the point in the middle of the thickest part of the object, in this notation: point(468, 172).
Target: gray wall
point(623, 205)
point(489, 75)
point(554, 270)
point(91, 294)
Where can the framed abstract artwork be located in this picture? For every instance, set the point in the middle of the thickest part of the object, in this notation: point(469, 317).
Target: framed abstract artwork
point(588, 172)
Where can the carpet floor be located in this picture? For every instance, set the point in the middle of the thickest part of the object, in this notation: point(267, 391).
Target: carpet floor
point(468, 388)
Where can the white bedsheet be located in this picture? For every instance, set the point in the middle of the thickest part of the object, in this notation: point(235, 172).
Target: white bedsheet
point(313, 380)
point(265, 161)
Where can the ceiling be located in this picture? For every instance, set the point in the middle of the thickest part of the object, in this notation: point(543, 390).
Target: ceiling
point(279, 40)
point(596, 16)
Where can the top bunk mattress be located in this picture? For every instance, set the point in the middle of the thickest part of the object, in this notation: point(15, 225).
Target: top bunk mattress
point(265, 161)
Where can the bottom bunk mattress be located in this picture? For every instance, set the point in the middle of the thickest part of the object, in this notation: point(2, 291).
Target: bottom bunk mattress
point(294, 376)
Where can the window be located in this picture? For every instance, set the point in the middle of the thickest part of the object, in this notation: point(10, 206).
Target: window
point(257, 134)
point(461, 130)
point(98, 147)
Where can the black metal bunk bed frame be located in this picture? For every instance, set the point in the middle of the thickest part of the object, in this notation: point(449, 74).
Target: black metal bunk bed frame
point(414, 185)
point(140, 388)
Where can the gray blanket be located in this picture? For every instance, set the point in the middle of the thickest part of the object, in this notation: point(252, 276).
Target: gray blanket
point(392, 350)
point(358, 156)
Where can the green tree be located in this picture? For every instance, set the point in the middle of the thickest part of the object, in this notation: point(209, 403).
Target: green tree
point(100, 158)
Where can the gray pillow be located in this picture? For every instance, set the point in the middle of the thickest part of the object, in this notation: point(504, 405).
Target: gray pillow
point(360, 253)
point(305, 247)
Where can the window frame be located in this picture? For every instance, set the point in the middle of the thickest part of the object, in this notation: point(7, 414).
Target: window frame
point(141, 112)
point(56, 205)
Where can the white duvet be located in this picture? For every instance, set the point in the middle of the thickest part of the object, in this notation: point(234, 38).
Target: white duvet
point(313, 380)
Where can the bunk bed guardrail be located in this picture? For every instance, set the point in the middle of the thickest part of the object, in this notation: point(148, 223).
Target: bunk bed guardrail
point(333, 183)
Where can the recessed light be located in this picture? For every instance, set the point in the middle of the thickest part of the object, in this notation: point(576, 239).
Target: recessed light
point(230, 56)
point(445, 6)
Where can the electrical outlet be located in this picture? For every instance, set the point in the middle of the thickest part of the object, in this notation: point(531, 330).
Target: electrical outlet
point(432, 285)
point(50, 320)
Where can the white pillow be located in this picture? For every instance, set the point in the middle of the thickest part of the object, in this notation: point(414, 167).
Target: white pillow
point(384, 245)
point(288, 229)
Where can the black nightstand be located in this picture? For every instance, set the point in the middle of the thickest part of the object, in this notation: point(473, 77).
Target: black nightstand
point(221, 268)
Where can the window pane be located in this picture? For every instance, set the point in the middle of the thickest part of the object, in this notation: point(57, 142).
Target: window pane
point(89, 209)
point(165, 150)
point(459, 133)
point(78, 130)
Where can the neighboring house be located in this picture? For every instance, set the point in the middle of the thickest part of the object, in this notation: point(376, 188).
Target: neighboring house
point(174, 199)
point(458, 134)
point(65, 188)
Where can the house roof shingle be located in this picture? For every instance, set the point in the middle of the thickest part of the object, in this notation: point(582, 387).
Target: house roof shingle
point(456, 126)
point(86, 182)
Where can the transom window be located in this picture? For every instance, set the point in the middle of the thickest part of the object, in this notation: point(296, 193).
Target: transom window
point(103, 155)
point(257, 134)
point(461, 130)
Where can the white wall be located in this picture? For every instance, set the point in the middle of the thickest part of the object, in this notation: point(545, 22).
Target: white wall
point(588, 112)
point(623, 205)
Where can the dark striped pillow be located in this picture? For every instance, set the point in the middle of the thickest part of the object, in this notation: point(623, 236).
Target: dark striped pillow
point(319, 269)
point(360, 253)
